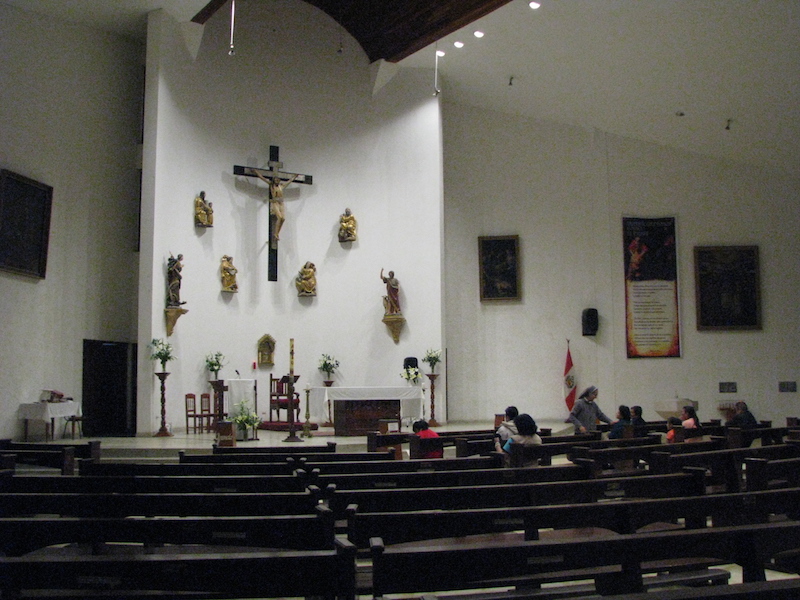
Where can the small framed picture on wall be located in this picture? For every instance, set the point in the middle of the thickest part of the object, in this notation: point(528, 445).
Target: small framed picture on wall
point(498, 260)
point(727, 288)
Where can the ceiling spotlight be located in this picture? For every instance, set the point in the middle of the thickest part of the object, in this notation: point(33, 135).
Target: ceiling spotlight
point(534, 5)
point(510, 81)
point(478, 34)
point(458, 44)
point(440, 53)
point(728, 124)
point(680, 113)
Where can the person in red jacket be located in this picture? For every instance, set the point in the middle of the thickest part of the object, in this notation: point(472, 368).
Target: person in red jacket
point(421, 429)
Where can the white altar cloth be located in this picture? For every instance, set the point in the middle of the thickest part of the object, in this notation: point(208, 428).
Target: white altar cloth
point(47, 412)
point(322, 399)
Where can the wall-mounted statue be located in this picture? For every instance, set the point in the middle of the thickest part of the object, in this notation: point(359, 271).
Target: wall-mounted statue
point(266, 350)
point(306, 280)
point(348, 227)
point(203, 211)
point(391, 301)
point(228, 274)
point(174, 268)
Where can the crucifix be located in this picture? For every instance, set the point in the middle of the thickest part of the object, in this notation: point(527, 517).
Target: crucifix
point(277, 181)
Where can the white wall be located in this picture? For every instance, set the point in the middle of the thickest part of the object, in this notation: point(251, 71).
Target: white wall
point(69, 110)
point(564, 191)
point(380, 156)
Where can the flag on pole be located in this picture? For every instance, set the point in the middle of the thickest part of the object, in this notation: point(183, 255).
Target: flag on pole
point(569, 381)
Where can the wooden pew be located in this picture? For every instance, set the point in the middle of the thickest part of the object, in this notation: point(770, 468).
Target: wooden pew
point(547, 451)
point(328, 447)
point(85, 450)
point(599, 518)
point(158, 504)
point(406, 466)
point(627, 457)
point(127, 469)
point(615, 562)
point(764, 474)
point(62, 458)
point(469, 447)
point(450, 478)
point(328, 574)
point(278, 457)
point(517, 494)
point(744, 438)
point(152, 484)
point(724, 466)
point(20, 535)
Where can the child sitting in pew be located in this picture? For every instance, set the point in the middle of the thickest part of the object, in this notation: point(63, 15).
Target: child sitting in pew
point(422, 430)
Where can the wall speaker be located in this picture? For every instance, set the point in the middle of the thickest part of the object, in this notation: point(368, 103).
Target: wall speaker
point(590, 321)
point(410, 362)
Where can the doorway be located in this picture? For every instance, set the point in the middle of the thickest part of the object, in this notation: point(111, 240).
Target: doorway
point(109, 389)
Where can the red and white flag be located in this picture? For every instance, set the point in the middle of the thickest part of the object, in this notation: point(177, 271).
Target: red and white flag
point(569, 381)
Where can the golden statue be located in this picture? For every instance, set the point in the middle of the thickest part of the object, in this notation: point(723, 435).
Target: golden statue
point(306, 280)
point(203, 212)
point(228, 274)
point(348, 227)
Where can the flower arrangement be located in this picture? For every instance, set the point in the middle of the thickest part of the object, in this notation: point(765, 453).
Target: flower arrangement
point(328, 365)
point(245, 418)
point(433, 358)
point(410, 374)
point(162, 351)
point(215, 362)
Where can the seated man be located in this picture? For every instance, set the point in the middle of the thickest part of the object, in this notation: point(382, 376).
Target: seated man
point(421, 429)
point(742, 417)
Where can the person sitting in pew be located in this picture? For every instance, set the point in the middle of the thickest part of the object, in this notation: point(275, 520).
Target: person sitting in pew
point(527, 435)
point(673, 423)
point(623, 419)
point(741, 417)
point(636, 417)
point(585, 413)
point(507, 427)
point(422, 430)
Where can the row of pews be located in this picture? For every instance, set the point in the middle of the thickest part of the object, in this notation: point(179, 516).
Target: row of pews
point(266, 523)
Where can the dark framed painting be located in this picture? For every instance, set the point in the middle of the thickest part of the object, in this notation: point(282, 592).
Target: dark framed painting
point(498, 260)
point(24, 224)
point(727, 288)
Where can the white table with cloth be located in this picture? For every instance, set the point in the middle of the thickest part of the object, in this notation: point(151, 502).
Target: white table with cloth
point(47, 412)
point(323, 400)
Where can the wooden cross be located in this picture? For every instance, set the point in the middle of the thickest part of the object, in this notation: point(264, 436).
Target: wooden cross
point(277, 181)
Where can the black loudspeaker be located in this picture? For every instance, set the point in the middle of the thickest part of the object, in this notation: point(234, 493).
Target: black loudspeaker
point(410, 362)
point(590, 321)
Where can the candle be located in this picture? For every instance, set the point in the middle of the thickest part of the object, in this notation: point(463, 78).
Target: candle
point(291, 356)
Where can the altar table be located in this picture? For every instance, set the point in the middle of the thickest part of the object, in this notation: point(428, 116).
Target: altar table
point(358, 410)
point(47, 412)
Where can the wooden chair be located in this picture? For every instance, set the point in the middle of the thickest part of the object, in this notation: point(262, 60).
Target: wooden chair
point(192, 414)
point(206, 416)
point(279, 398)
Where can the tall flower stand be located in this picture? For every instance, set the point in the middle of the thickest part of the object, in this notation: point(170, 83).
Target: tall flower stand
point(163, 432)
point(433, 422)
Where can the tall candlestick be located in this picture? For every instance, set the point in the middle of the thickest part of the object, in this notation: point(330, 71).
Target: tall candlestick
point(291, 356)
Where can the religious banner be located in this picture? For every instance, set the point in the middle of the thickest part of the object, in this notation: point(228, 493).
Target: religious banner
point(651, 288)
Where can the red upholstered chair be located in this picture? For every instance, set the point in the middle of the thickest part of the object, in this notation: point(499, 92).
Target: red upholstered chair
point(279, 398)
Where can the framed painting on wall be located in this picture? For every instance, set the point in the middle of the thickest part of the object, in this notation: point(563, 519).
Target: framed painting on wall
point(727, 288)
point(498, 260)
point(24, 224)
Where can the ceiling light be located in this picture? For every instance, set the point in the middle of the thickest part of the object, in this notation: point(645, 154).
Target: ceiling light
point(478, 34)
point(534, 5)
point(458, 44)
point(440, 53)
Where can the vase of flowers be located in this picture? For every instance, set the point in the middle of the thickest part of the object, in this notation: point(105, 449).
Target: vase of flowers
point(411, 375)
point(215, 362)
point(328, 365)
point(433, 358)
point(245, 420)
point(161, 351)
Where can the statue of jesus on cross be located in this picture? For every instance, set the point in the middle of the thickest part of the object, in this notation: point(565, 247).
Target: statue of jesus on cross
point(276, 208)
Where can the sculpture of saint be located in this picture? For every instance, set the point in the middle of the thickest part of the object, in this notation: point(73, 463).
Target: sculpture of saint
point(306, 280)
point(228, 274)
point(174, 268)
point(203, 211)
point(391, 301)
point(348, 227)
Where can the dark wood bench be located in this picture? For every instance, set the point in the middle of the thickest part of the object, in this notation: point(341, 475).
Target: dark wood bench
point(127, 469)
point(21, 535)
point(294, 450)
point(449, 478)
point(259, 574)
point(724, 466)
point(470, 447)
point(764, 474)
point(599, 518)
point(278, 457)
point(405, 466)
point(157, 504)
point(744, 438)
point(85, 450)
point(633, 456)
point(517, 494)
point(545, 452)
point(615, 562)
point(129, 484)
point(62, 458)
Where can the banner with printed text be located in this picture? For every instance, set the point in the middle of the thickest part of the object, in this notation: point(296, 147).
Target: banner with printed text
point(652, 327)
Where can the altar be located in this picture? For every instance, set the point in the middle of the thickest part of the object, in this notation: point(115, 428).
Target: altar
point(358, 410)
point(47, 412)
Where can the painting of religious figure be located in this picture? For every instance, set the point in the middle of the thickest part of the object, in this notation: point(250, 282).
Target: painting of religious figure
point(498, 260)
